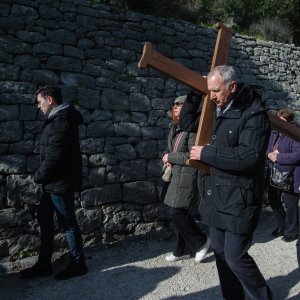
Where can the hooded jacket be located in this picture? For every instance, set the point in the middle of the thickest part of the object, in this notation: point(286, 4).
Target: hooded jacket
point(232, 193)
point(60, 167)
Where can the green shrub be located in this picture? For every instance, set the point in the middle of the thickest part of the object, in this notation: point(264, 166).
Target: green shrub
point(272, 30)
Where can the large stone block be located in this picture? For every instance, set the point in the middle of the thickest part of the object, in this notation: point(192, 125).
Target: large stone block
point(127, 129)
point(89, 98)
point(127, 171)
point(45, 77)
point(12, 23)
point(96, 196)
point(9, 112)
point(123, 221)
point(139, 192)
point(155, 168)
point(9, 72)
point(153, 133)
point(11, 217)
point(47, 48)
point(73, 79)
point(12, 164)
point(92, 145)
point(100, 129)
point(105, 159)
point(66, 64)
point(89, 219)
point(61, 36)
point(11, 131)
point(114, 100)
point(156, 212)
point(146, 149)
point(125, 152)
point(96, 177)
point(139, 102)
point(21, 189)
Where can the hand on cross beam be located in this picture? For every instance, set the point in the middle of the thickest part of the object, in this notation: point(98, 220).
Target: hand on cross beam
point(195, 153)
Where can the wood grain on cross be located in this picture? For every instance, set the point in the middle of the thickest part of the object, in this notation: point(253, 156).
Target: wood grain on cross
point(194, 80)
point(154, 59)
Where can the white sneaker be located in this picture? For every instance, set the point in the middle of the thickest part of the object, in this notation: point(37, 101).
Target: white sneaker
point(171, 257)
point(200, 255)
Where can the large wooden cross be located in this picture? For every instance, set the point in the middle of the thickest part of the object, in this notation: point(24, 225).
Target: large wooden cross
point(156, 60)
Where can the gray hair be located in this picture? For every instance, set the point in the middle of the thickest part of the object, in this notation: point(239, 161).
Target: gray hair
point(226, 72)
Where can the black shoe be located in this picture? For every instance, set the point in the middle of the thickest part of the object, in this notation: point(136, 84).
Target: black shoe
point(72, 270)
point(288, 239)
point(37, 270)
point(277, 232)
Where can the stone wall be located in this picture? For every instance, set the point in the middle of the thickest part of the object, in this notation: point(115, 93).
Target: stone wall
point(92, 52)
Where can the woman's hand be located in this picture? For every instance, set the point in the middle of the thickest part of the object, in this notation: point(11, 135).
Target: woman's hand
point(273, 156)
point(165, 158)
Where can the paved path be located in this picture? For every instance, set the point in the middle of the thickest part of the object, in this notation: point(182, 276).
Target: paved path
point(136, 269)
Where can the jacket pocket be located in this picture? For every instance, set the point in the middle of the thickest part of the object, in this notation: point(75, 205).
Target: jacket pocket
point(187, 178)
point(232, 199)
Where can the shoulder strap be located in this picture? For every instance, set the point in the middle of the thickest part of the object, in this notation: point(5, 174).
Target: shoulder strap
point(177, 141)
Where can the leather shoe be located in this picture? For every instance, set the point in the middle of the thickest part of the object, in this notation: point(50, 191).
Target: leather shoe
point(37, 270)
point(288, 239)
point(72, 270)
point(277, 232)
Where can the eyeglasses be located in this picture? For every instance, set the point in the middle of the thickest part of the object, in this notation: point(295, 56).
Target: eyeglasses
point(177, 104)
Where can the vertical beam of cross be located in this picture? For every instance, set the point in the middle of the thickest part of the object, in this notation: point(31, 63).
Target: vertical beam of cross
point(154, 59)
point(207, 116)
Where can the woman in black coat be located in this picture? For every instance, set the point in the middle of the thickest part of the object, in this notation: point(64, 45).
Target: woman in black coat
point(190, 240)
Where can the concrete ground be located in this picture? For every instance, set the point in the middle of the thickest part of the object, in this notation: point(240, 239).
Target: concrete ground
point(136, 269)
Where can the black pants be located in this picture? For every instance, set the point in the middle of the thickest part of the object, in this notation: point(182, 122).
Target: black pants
point(237, 270)
point(288, 217)
point(189, 237)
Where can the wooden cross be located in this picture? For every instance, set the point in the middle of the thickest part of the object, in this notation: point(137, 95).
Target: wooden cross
point(197, 82)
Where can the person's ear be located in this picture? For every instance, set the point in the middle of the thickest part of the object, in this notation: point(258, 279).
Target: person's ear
point(233, 87)
point(50, 100)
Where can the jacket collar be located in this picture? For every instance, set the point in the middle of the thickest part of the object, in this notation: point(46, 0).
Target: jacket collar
point(245, 97)
point(57, 109)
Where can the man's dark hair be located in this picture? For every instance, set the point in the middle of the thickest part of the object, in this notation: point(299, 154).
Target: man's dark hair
point(52, 91)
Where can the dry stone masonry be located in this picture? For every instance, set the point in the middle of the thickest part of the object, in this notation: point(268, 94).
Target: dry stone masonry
point(92, 52)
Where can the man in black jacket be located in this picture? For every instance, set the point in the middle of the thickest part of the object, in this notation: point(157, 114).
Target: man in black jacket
point(60, 174)
point(232, 194)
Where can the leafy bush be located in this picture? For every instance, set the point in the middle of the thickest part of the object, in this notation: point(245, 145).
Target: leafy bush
point(239, 14)
point(273, 30)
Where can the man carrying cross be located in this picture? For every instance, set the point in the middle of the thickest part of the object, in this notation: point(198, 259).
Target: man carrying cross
point(232, 193)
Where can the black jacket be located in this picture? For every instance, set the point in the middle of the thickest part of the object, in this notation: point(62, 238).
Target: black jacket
point(60, 169)
point(232, 194)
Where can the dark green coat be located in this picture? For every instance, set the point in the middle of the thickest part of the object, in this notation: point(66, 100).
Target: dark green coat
point(181, 190)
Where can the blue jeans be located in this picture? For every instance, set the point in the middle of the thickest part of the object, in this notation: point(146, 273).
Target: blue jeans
point(63, 206)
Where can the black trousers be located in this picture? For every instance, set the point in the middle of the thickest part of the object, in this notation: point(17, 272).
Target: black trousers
point(238, 272)
point(287, 216)
point(189, 237)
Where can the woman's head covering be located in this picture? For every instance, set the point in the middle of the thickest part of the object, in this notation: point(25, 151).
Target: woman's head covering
point(179, 100)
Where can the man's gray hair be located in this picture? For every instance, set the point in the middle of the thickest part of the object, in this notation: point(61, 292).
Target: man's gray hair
point(226, 72)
